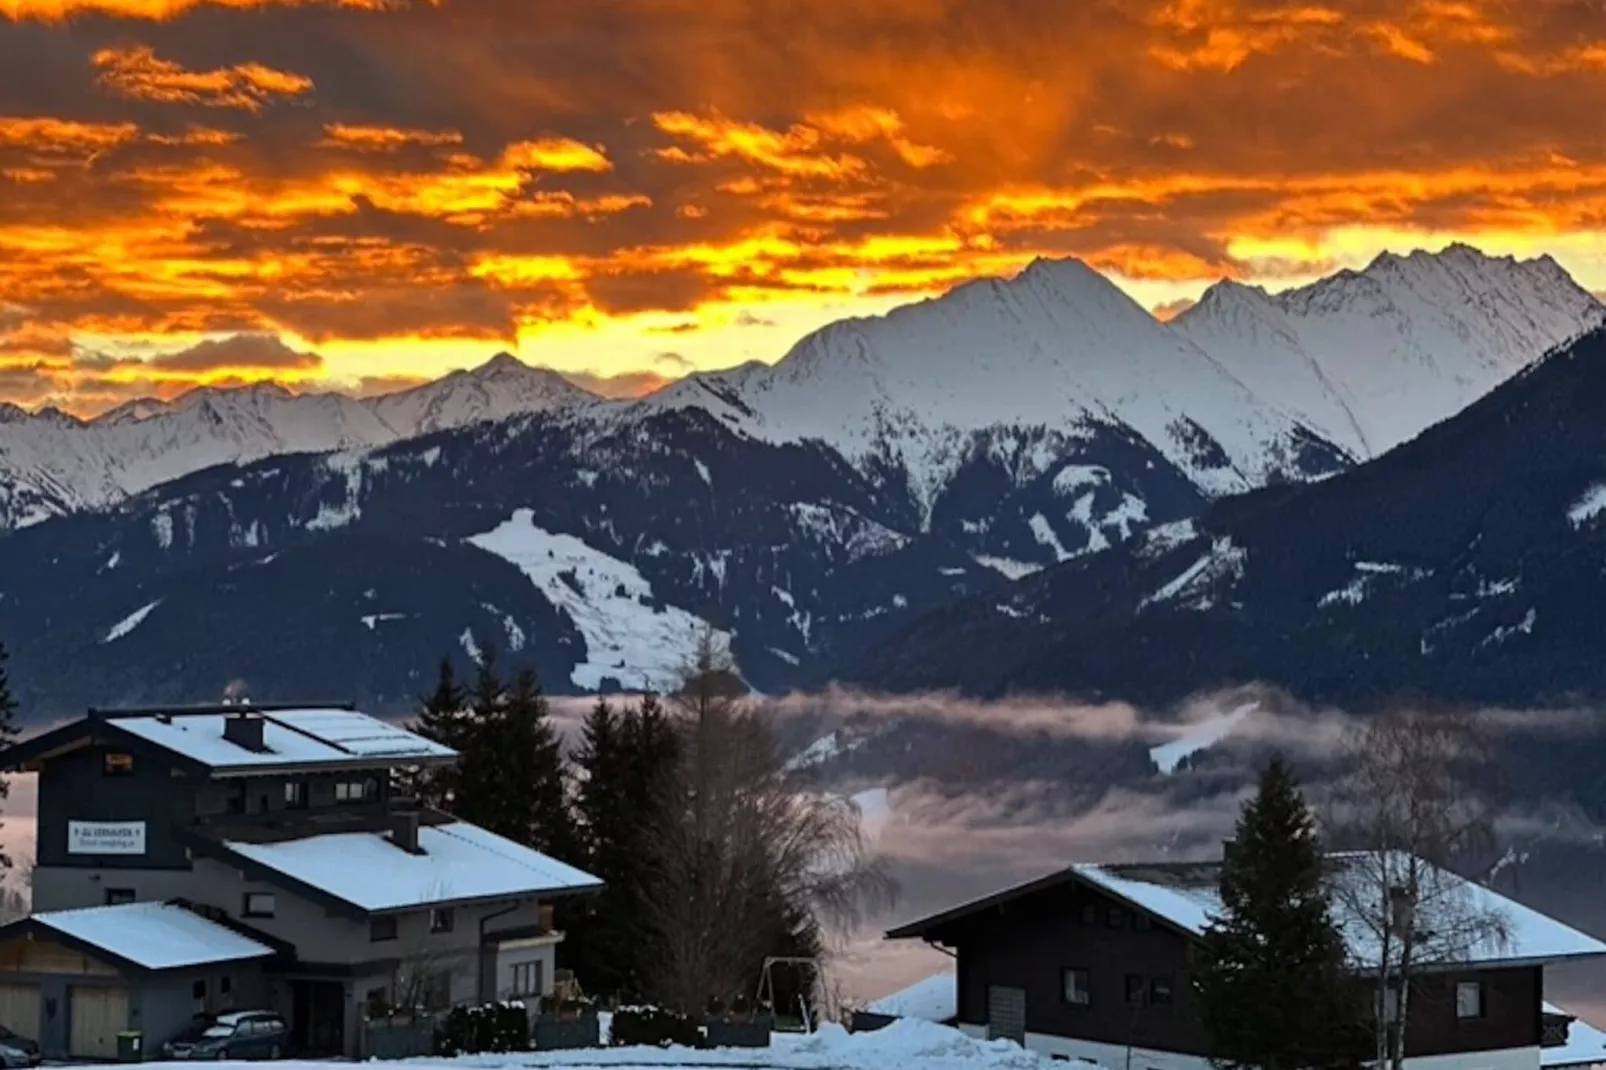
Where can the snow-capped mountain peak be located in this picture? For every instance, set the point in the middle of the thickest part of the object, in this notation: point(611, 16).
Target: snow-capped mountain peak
point(1371, 358)
point(1057, 347)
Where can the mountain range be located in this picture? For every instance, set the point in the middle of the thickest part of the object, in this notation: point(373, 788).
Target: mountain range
point(1467, 565)
point(885, 469)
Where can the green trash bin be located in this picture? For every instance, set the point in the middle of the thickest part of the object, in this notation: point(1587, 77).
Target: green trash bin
point(130, 1046)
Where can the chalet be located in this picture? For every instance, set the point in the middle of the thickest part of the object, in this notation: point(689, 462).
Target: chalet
point(232, 858)
point(1091, 963)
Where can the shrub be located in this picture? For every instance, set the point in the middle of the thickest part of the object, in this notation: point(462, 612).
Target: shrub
point(654, 1027)
point(492, 1027)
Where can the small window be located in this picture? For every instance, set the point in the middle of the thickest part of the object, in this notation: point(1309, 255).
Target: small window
point(295, 795)
point(116, 764)
point(1074, 987)
point(1160, 991)
point(1090, 914)
point(1136, 985)
point(382, 928)
point(528, 978)
point(1469, 999)
point(116, 897)
point(1117, 917)
point(225, 985)
point(356, 791)
point(441, 920)
point(198, 989)
point(259, 905)
point(438, 991)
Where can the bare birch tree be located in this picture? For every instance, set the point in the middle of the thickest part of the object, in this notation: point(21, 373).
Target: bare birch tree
point(739, 848)
point(1415, 801)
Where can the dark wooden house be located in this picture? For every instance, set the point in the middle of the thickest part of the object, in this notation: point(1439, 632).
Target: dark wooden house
point(1092, 962)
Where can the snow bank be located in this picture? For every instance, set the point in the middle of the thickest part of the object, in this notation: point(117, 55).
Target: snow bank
point(902, 1045)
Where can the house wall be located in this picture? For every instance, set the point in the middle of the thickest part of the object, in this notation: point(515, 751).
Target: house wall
point(75, 787)
point(1039, 937)
point(1028, 945)
point(265, 795)
point(509, 956)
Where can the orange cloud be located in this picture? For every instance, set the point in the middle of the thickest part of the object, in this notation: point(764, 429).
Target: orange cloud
point(63, 136)
point(161, 10)
point(384, 138)
point(137, 73)
point(791, 152)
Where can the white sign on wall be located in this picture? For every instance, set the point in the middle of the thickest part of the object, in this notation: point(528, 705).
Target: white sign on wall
point(105, 838)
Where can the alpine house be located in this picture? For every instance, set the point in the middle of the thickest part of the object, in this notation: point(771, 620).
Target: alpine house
point(205, 860)
point(1091, 962)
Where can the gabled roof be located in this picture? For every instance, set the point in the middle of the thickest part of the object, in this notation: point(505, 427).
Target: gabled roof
point(292, 738)
point(367, 873)
point(1183, 896)
point(1586, 1045)
point(143, 936)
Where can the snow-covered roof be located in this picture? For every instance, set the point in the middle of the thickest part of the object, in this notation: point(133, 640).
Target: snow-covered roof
point(1585, 1045)
point(156, 936)
point(290, 737)
point(458, 862)
point(935, 999)
point(1185, 896)
point(1189, 905)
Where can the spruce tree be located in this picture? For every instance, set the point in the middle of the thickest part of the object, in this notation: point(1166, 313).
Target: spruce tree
point(599, 927)
point(1270, 981)
point(532, 787)
point(477, 785)
point(9, 731)
point(442, 718)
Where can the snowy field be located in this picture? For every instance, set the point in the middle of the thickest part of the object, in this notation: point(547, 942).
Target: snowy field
point(904, 1045)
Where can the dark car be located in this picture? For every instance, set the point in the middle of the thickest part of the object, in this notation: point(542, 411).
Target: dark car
point(240, 1035)
point(17, 1050)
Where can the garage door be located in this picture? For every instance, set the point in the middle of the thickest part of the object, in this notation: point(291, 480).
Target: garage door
point(1006, 1013)
point(19, 1009)
point(98, 1015)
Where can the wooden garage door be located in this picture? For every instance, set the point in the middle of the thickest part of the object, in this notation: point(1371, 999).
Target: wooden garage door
point(19, 1009)
point(98, 1015)
point(1006, 1014)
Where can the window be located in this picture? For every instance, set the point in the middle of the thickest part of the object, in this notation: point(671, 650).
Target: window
point(1469, 999)
point(259, 905)
point(118, 896)
point(1135, 987)
point(528, 978)
point(225, 984)
point(295, 794)
point(1090, 914)
point(356, 791)
point(441, 920)
point(1388, 1006)
point(1160, 991)
point(384, 928)
point(1117, 917)
point(1074, 987)
point(236, 804)
point(198, 989)
point(118, 764)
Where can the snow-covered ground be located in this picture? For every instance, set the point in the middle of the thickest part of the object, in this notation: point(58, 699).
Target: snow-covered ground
point(903, 1045)
point(629, 635)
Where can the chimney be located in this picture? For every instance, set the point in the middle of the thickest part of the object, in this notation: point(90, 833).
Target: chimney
point(244, 730)
point(546, 917)
point(404, 832)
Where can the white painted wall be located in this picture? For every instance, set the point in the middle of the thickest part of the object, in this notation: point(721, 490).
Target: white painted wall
point(542, 950)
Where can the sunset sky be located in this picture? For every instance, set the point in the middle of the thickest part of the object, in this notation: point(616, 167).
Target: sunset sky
point(626, 190)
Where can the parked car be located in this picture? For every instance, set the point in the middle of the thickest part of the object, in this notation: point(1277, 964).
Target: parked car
point(16, 1050)
point(239, 1035)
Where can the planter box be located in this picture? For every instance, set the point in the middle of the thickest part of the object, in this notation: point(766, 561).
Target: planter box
point(553, 1033)
point(753, 1033)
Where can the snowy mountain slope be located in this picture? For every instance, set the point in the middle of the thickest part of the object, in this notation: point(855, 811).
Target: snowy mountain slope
point(1370, 359)
point(1463, 566)
point(1057, 347)
point(592, 551)
point(52, 464)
